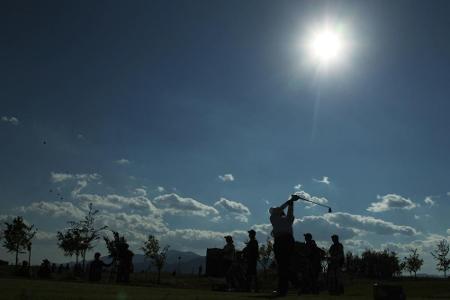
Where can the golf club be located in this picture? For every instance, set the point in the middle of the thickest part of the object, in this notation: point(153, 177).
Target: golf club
point(320, 204)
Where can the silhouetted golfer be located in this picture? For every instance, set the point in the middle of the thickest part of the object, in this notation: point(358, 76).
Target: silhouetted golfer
point(284, 242)
point(96, 268)
point(335, 264)
point(229, 255)
point(251, 253)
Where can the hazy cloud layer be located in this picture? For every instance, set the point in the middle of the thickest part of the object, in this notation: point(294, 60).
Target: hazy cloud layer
point(369, 224)
point(12, 120)
point(122, 162)
point(391, 201)
point(60, 177)
point(54, 209)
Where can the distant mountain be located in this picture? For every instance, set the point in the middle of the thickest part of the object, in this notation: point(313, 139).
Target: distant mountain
point(188, 263)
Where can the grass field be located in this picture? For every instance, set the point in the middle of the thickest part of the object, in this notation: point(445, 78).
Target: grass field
point(23, 289)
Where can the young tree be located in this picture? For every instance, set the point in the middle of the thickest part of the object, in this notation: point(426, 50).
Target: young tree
point(89, 232)
point(266, 255)
point(440, 255)
point(116, 247)
point(18, 236)
point(71, 242)
point(79, 237)
point(157, 254)
point(412, 263)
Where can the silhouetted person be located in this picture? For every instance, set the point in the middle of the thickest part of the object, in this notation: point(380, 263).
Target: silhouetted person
point(53, 267)
point(314, 255)
point(96, 268)
point(335, 264)
point(125, 265)
point(24, 269)
point(284, 243)
point(200, 271)
point(44, 269)
point(251, 253)
point(229, 255)
point(60, 268)
point(67, 267)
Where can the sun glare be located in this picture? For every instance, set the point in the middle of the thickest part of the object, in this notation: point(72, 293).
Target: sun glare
point(327, 46)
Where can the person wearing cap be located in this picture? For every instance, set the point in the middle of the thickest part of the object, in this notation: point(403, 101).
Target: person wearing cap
point(313, 267)
point(251, 253)
point(335, 264)
point(229, 255)
point(283, 246)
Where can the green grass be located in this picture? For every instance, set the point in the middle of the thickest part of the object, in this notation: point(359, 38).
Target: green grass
point(26, 289)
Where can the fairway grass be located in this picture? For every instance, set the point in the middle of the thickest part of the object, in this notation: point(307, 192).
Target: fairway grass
point(22, 289)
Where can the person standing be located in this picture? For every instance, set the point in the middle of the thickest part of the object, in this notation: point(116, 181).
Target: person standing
point(283, 242)
point(313, 267)
point(251, 253)
point(96, 268)
point(125, 264)
point(229, 255)
point(335, 264)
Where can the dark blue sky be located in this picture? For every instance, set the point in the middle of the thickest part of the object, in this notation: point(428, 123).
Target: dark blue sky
point(190, 90)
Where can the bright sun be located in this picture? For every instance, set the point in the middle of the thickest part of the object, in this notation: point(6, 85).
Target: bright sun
point(327, 46)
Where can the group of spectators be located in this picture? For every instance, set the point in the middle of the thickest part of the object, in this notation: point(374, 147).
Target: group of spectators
point(284, 250)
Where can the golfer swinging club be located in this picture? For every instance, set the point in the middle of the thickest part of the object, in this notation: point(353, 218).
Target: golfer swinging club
point(284, 241)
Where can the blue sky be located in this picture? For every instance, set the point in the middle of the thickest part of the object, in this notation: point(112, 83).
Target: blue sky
point(144, 106)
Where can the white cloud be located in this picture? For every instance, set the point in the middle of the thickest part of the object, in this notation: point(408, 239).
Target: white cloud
point(176, 205)
point(12, 120)
point(54, 209)
point(233, 206)
point(141, 192)
point(226, 177)
point(160, 189)
point(80, 136)
point(416, 217)
point(122, 162)
point(298, 186)
point(324, 180)
point(303, 194)
point(448, 231)
point(369, 224)
point(391, 201)
point(237, 209)
point(428, 200)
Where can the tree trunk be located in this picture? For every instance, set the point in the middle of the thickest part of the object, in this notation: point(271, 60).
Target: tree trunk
point(415, 276)
point(29, 259)
point(159, 276)
point(17, 256)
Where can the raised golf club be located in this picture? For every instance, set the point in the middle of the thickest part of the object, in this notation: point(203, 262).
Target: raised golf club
point(320, 204)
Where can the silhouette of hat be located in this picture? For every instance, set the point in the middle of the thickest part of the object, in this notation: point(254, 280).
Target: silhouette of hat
point(309, 235)
point(252, 232)
point(275, 211)
point(228, 237)
point(335, 236)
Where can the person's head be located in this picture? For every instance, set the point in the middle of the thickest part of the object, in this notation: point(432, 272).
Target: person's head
point(335, 238)
point(229, 239)
point(308, 237)
point(97, 255)
point(251, 234)
point(276, 211)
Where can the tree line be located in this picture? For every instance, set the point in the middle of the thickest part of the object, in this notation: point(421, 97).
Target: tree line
point(80, 237)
